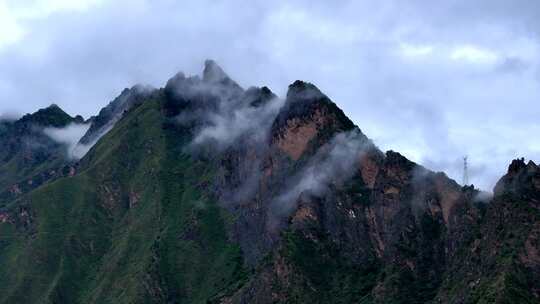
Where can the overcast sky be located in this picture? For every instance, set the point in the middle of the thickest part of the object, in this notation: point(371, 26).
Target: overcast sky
point(434, 80)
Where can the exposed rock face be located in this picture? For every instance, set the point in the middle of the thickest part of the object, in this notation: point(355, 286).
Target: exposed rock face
point(206, 192)
point(307, 115)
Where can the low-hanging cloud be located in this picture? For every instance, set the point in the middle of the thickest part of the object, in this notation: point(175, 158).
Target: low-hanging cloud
point(226, 125)
point(229, 112)
point(334, 163)
point(70, 136)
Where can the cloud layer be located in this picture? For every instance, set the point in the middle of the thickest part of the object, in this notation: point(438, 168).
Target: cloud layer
point(435, 81)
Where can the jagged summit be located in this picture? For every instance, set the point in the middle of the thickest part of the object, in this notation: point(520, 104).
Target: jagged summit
point(302, 91)
point(305, 102)
point(214, 85)
point(258, 96)
point(521, 178)
point(214, 74)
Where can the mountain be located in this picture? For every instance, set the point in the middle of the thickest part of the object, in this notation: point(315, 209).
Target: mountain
point(28, 156)
point(206, 192)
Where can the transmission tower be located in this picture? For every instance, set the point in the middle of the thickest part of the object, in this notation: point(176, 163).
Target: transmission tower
point(465, 172)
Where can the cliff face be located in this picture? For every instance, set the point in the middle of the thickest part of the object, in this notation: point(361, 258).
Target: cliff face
point(206, 192)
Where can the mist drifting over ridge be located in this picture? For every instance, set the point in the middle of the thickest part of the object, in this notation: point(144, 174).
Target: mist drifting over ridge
point(227, 120)
point(70, 137)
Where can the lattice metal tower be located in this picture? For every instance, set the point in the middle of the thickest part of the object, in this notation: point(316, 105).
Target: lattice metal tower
point(465, 172)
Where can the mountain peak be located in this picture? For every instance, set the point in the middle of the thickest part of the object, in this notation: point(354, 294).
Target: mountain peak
point(258, 96)
point(52, 115)
point(304, 100)
point(301, 90)
point(214, 74)
point(53, 106)
point(307, 121)
point(520, 177)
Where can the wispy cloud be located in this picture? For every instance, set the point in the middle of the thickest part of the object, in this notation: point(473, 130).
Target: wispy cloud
point(70, 136)
point(334, 163)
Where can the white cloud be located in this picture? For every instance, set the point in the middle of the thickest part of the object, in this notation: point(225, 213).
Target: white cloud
point(70, 136)
point(473, 54)
point(10, 30)
point(15, 14)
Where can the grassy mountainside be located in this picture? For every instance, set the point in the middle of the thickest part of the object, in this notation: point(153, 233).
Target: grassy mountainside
point(134, 226)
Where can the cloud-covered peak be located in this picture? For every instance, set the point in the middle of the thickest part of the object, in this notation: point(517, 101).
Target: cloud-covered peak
point(214, 74)
point(255, 96)
point(301, 90)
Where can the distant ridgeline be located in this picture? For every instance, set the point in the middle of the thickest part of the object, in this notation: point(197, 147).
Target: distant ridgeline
point(206, 192)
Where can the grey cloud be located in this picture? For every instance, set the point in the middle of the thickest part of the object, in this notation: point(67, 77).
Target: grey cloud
point(512, 65)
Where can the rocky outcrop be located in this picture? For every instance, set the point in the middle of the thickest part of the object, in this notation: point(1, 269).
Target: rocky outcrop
point(113, 112)
point(307, 118)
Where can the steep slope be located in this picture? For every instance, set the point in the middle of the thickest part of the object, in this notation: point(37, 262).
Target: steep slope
point(113, 112)
point(203, 192)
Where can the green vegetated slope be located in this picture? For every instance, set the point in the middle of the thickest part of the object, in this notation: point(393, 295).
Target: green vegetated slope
point(500, 263)
point(134, 226)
